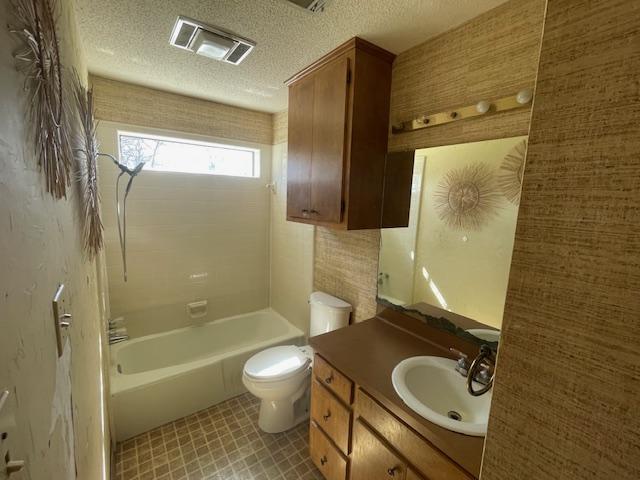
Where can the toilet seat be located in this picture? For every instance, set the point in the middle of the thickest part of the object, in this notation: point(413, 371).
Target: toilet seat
point(277, 363)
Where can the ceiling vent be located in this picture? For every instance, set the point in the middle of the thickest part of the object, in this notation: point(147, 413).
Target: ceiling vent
point(208, 41)
point(311, 5)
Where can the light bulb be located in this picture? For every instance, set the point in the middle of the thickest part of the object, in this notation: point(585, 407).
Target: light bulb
point(483, 106)
point(524, 96)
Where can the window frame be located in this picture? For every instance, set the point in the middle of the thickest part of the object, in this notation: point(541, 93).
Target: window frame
point(189, 140)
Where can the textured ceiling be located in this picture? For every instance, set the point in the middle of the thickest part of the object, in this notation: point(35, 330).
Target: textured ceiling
point(128, 40)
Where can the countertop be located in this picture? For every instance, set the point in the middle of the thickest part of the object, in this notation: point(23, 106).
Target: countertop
point(367, 352)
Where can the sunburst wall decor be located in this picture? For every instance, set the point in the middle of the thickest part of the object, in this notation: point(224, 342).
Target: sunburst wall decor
point(39, 60)
point(87, 155)
point(511, 172)
point(467, 198)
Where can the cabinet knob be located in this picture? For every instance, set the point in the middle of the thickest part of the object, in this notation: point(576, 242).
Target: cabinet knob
point(327, 415)
point(392, 471)
point(329, 379)
point(315, 212)
point(323, 460)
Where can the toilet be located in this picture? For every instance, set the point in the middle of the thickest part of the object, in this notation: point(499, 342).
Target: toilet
point(281, 376)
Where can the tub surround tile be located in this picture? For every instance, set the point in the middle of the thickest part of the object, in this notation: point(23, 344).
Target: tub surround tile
point(222, 442)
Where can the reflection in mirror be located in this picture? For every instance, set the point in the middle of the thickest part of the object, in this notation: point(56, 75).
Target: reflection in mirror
point(453, 259)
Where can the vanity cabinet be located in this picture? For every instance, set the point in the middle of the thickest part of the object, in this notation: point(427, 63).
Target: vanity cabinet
point(372, 459)
point(338, 130)
point(354, 437)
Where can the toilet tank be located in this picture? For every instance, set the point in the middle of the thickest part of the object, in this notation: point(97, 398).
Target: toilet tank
point(327, 313)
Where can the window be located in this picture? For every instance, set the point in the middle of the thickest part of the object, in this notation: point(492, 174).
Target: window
point(165, 154)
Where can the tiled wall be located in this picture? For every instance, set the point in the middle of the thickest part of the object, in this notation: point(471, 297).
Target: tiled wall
point(565, 401)
point(57, 403)
point(493, 55)
point(189, 238)
point(291, 250)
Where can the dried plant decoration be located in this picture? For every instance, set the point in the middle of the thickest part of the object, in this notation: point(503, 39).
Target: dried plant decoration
point(39, 60)
point(87, 156)
point(511, 172)
point(467, 198)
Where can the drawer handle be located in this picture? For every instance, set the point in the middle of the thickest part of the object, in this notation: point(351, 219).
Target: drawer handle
point(314, 212)
point(327, 415)
point(329, 379)
point(392, 471)
point(323, 460)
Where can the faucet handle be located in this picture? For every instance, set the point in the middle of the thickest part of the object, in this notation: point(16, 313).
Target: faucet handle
point(462, 366)
point(458, 353)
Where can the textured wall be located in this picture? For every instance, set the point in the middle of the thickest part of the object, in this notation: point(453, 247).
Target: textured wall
point(127, 103)
point(346, 265)
point(189, 238)
point(568, 383)
point(493, 55)
point(57, 402)
point(280, 124)
point(291, 251)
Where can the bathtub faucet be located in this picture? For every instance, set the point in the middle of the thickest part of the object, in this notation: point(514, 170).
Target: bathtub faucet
point(117, 333)
point(117, 338)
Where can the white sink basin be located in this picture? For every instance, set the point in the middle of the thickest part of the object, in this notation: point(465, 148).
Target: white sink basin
point(431, 387)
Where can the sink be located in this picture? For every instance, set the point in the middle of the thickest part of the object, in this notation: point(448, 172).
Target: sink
point(431, 387)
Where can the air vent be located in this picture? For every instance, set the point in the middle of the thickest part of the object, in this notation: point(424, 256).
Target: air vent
point(210, 42)
point(311, 5)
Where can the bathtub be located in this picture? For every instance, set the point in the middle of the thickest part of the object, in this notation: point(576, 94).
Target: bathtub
point(165, 376)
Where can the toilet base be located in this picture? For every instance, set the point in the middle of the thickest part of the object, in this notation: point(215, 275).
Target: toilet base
point(278, 416)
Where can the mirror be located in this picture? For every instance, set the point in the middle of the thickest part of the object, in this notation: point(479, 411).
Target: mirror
point(451, 263)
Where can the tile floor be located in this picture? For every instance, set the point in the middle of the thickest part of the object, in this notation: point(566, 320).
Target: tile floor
point(220, 443)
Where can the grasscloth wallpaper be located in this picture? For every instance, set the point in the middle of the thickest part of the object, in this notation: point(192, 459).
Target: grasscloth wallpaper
point(565, 402)
point(491, 56)
point(136, 105)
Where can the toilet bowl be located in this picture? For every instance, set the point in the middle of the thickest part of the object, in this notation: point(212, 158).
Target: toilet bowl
point(280, 377)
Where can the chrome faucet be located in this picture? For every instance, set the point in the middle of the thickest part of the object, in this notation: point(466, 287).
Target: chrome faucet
point(114, 336)
point(481, 370)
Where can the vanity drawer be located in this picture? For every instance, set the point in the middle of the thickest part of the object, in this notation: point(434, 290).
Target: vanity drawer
point(325, 456)
point(371, 459)
point(330, 415)
point(420, 453)
point(333, 379)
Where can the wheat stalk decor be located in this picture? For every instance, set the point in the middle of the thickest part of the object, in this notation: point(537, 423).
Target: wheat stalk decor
point(39, 60)
point(467, 198)
point(87, 155)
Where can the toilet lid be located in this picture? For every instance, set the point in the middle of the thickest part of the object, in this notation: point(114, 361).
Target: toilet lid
point(276, 363)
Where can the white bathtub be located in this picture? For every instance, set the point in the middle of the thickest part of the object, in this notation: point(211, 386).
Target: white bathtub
point(162, 377)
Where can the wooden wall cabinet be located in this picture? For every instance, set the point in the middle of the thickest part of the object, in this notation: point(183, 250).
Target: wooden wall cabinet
point(338, 132)
point(353, 437)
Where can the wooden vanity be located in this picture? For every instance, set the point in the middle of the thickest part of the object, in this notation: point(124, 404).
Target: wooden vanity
point(360, 429)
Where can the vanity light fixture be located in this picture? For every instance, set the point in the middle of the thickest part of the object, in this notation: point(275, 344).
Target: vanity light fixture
point(483, 107)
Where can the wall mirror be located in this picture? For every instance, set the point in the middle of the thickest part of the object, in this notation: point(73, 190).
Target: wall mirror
point(451, 263)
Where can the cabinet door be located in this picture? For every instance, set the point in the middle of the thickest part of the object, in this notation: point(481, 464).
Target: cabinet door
point(329, 137)
point(372, 460)
point(300, 147)
point(411, 475)
point(325, 456)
